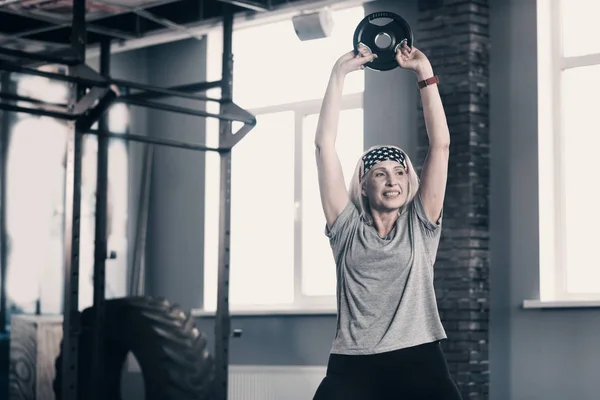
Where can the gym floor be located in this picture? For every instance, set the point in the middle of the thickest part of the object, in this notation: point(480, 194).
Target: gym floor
point(497, 258)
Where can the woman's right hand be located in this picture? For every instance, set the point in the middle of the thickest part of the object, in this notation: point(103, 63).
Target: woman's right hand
point(354, 61)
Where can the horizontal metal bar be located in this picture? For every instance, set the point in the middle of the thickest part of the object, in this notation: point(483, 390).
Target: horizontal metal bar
point(183, 110)
point(250, 5)
point(88, 109)
point(159, 91)
point(158, 141)
point(16, 97)
point(37, 111)
point(187, 88)
point(38, 56)
point(7, 66)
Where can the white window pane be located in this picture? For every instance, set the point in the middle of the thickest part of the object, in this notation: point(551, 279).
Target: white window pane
point(581, 88)
point(34, 200)
point(118, 118)
point(318, 266)
point(272, 66)
point(118, 197)
point(580, 27)
point(262, 213)
point(87, 221)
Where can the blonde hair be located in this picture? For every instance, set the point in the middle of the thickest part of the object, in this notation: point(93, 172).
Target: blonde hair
point(362, 203)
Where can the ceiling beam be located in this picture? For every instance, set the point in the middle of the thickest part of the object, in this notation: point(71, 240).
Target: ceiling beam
point(116, 33)
point(250, 5)
point(56, 25)
point(242, 20)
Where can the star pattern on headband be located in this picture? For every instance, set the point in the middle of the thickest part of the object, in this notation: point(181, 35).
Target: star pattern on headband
point(383, 153)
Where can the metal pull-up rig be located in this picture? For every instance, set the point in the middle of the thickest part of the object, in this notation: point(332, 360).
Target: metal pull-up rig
point(91, 95)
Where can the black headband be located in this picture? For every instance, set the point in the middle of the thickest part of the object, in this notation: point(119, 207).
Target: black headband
point(383, 153)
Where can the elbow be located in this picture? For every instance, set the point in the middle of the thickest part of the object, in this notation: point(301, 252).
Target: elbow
point(440, 141)
point(442, 145)
point(321, 144)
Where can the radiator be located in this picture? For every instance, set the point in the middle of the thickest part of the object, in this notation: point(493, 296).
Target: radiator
point(273, 382)
point(267, 382)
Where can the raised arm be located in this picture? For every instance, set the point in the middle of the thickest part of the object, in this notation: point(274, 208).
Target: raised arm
point(434, 173)
point(332, 186)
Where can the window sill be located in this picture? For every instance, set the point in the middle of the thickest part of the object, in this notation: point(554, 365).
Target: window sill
point(198, 312)
point(560, 304)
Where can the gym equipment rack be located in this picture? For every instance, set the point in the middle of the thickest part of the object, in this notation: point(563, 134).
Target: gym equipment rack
point(91, 96)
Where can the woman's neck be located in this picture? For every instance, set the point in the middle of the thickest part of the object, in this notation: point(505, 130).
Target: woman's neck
point(384, 222)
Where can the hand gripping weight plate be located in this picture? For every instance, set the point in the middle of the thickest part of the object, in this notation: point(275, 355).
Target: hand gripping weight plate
point(383, 40)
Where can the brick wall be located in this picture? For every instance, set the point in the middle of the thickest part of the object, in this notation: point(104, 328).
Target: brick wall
point(454, 35)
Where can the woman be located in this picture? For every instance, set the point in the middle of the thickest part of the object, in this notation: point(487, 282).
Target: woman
point(384, 234)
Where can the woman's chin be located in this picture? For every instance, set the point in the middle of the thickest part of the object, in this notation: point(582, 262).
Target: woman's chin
point(392, 204)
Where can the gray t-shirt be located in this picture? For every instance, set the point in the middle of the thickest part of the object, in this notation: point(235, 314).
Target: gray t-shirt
point(385, 295)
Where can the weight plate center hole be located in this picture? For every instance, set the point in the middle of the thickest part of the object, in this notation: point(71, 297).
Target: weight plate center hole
point(383, 40)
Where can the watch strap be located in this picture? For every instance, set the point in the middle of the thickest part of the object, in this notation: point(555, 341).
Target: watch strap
point(428, 82)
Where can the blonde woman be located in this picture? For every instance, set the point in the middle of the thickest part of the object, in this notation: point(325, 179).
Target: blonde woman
point(384, 233)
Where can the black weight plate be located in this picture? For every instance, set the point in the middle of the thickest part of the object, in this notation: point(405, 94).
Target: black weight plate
point(397, 29)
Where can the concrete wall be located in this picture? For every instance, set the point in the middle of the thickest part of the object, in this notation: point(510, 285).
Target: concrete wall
point(131, 66)
point(176, 223)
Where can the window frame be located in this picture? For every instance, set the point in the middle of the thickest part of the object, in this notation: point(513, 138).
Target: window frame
point(302, 303)
point(552, 63)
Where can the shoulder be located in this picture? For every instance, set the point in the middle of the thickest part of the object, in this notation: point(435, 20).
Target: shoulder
point(417, 209)
point(343, 224)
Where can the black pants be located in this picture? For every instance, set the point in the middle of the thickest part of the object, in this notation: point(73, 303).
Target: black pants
point(415, 373)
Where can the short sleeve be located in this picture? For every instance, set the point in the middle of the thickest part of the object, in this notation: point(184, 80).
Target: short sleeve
point(343, 222)
point(420, 212)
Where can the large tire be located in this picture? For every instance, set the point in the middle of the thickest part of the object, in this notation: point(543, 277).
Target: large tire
point(171, 352)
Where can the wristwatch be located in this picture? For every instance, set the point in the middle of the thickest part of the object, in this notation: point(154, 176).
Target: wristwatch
point(429, 81)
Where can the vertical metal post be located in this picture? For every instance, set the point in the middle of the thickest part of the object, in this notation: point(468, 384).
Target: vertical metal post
point(4, 140)
point(138, 275)
point(223, 319)
point(70, 367)
point(100, 242)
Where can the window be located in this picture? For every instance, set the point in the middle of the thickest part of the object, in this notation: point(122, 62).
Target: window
point(569, 83)
point(280, 256)
point(262, 213)
point(35, 205)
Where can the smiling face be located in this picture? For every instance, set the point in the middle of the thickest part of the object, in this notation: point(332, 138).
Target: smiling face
point(386, 186)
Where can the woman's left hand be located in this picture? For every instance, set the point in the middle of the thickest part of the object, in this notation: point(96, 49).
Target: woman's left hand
point(412, 58)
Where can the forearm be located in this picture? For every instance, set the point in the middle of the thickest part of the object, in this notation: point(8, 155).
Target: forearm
point(330, 111)
point(433, 111)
